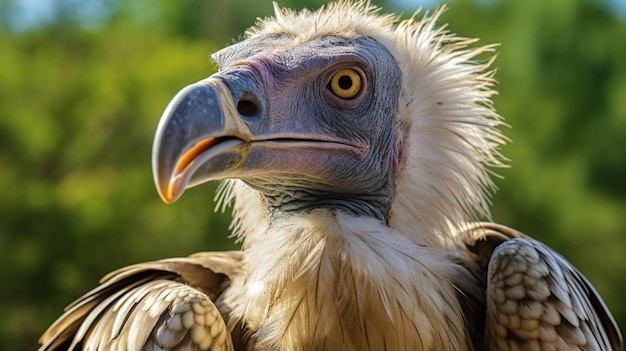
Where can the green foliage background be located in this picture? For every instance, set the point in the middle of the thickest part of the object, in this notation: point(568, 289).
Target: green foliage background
point(81, 93)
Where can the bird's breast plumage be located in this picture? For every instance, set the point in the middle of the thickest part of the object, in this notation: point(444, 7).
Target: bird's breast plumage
point(329, 280)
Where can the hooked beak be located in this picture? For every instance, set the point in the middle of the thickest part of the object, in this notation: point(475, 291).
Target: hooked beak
point(205, 135)
point(199, 124)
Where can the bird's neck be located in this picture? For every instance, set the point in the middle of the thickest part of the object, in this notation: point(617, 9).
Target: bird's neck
point(328, 280)
point(291, 196)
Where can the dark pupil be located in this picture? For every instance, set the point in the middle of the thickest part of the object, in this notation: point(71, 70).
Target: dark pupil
point(345, 82)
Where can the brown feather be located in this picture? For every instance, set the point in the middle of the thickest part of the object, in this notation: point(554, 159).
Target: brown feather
point(132, 300)
point(535, 299)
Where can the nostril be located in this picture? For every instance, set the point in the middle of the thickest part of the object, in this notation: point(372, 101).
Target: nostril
point(247, 108)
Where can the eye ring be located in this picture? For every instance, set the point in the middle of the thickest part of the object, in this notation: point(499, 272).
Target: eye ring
point(346, 83)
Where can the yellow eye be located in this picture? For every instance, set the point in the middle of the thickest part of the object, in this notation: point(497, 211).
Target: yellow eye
point(346, 83)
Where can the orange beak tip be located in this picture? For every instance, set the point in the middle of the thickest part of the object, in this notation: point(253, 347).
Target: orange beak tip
point(168, 192)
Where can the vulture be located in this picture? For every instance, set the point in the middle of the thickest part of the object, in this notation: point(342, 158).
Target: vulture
point(356, 150)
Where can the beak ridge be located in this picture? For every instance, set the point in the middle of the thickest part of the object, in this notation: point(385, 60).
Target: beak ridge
point(192, 124)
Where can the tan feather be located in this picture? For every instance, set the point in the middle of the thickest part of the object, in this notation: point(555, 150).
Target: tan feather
point(536, 300)
point(153, 305)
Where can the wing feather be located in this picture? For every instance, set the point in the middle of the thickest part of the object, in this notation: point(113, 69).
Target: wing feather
point(535, 298)
point(159, 305)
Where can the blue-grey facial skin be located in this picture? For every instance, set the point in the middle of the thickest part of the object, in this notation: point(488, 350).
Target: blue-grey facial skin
point(288, 85)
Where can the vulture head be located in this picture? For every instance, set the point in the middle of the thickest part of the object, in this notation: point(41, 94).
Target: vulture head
point(340, 109)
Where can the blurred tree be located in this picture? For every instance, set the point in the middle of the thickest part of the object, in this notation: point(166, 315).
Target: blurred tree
point(78, 109)
point(82, 90)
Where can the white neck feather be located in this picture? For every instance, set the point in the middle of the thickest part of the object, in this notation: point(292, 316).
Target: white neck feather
point(326, 278)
